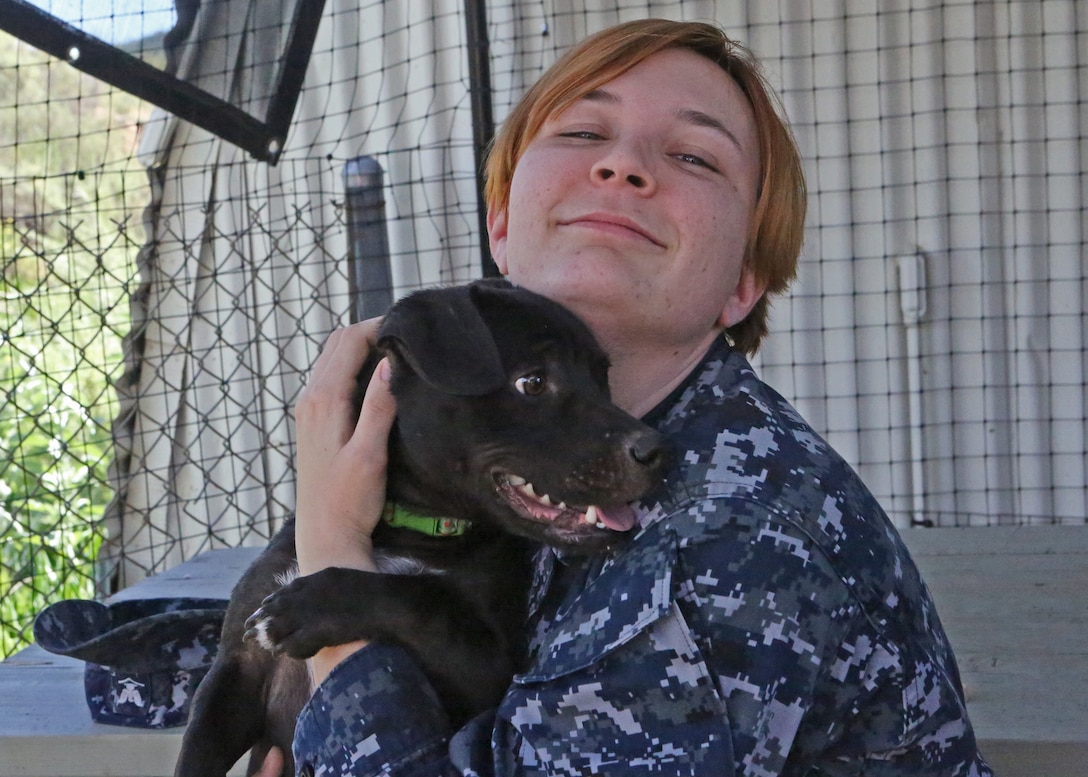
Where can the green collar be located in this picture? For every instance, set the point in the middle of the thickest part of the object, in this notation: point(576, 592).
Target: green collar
point(400, 518)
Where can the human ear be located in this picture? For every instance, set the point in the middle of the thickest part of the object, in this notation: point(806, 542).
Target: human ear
point(748, 292)
point(496, 238)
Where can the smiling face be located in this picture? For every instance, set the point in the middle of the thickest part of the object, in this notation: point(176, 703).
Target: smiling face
point(633, 205)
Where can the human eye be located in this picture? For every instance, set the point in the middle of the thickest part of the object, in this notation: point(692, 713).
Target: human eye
point(580, 121)
point(581, 134)
point(695, 160)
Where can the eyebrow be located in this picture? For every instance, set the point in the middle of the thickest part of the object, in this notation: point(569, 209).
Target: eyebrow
point(700, 119)
point(687, 115)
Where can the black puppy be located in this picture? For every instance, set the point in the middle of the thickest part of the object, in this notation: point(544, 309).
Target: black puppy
point(505, 437)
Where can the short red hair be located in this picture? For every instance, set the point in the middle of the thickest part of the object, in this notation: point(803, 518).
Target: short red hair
point(777, 231)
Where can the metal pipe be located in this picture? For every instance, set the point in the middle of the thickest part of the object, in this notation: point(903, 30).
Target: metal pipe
point(369, 274)
point(483, 120)
point(912, 303)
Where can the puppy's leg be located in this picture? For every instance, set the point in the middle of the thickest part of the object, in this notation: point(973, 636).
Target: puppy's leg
point(289, 688)
point(231, 708)
point(226, 718)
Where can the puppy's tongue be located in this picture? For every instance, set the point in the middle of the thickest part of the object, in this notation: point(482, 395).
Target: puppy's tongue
point(617, 518)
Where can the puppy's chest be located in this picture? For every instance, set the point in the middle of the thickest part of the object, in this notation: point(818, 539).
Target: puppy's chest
point(387, 563)
point(390, 563)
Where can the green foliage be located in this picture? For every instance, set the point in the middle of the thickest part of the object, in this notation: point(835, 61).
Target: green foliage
point(71, 201)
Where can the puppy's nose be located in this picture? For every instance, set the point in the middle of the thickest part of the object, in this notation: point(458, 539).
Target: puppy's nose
point(651, 450)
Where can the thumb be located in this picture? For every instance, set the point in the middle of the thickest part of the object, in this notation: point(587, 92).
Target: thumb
point(378, 411)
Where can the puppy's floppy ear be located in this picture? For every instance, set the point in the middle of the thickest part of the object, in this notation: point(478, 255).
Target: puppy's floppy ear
point(440, 334)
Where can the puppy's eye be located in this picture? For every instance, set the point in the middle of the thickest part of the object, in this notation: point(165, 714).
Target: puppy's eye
point(530, 385)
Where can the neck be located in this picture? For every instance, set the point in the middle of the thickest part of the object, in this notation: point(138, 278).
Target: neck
point(641, 377)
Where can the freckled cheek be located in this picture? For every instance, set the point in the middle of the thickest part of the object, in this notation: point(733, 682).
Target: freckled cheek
point(715, 250)
point(536, 199)
point(727, 232)
point(702, 238)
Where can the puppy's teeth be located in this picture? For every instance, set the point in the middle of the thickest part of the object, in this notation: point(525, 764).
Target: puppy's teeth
point(546, 500)
point(515, 480)
point(591, 515)
point(528, 489)
point(562, 505)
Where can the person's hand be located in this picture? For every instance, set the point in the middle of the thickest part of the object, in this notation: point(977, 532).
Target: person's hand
point(341, 466)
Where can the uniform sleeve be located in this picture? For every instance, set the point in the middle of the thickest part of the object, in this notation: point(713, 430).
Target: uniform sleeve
point(376, 713)
point(820, 677)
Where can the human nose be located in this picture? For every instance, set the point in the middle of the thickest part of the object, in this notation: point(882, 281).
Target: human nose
point(625, 164)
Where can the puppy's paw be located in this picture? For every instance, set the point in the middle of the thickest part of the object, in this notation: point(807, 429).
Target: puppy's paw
point(258, 627)
point(307, 614)
point(257, 630)
point(279, 625)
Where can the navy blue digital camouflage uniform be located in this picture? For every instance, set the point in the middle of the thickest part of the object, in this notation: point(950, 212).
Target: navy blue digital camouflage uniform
point(767, 620)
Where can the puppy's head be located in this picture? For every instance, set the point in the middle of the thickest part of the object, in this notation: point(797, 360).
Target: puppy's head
point(503, 413)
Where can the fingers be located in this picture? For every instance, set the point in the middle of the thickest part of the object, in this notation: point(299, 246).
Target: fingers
point(346, 349)
point(341, 466)
point(323, 413)
point(368, 447)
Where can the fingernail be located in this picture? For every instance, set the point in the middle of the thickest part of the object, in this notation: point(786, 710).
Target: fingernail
point(384, 370)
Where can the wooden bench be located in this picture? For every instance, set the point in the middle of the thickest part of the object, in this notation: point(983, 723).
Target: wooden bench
point(1014, 602)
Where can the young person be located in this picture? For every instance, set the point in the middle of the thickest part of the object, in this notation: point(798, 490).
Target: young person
point(767, 619)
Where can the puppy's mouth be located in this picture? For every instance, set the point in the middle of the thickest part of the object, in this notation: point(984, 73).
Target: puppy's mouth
point(523, 499)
